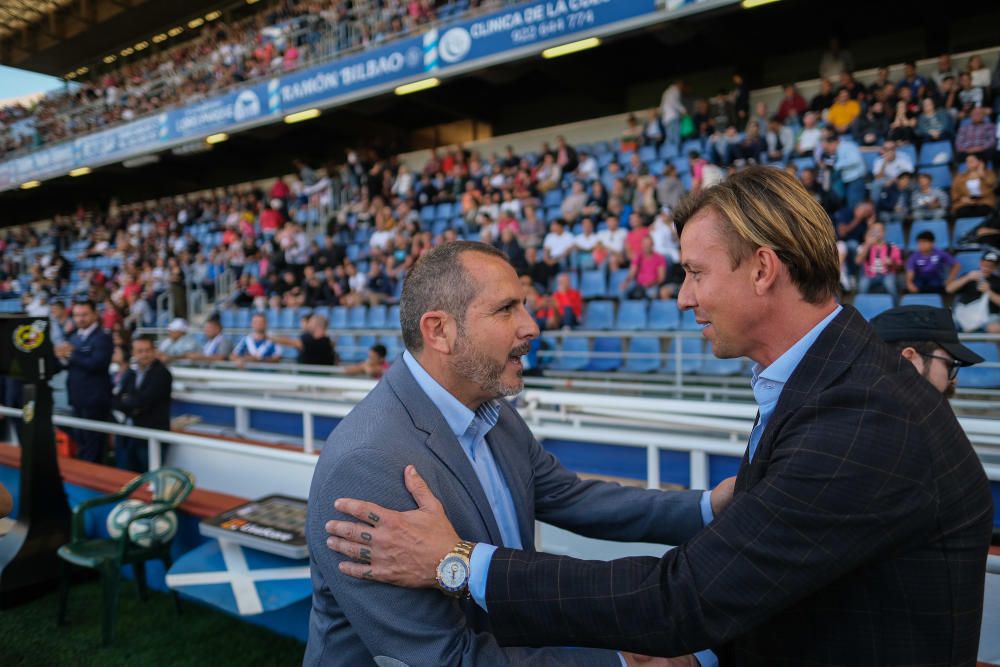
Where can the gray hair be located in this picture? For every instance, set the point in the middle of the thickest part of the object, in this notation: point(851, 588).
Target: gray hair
point(439, 281)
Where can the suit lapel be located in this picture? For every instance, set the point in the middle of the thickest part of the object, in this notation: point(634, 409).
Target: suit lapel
point(829, 357)
point(517, 475)
point(441, 441)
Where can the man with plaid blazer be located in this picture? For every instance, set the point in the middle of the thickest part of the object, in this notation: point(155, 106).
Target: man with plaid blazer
point(862, 517)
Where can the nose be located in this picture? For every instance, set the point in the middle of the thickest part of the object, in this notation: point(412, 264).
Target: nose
point(527, 327)
point(685, 296)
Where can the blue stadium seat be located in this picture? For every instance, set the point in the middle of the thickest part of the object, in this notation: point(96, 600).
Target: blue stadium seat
point(347, 349)
point(228, 318)
point(692, 145)
point(392, 319)
point(640, 357)
point(922, 300)
point(894, 234)
point(615, 283)
point(243, 316)
point(688, 349)
point(444, 211)
point(965, 225)
point(669, 150)
point(593, 284)
point(688, 322)
point(357, 316)
point(656, 167)
point(287, 318)
point(393, 347)
point(981, 377)
point(712, 365)
point(604, 159)
point(575, 355)
point(647, 153)
point(273, 318)
point(624, 157)
point(968, 261)
point(427, 214)
point(599, 315)
point(338, 318)
point(681, 164)
point(600, 147)
point(438, 227)
point(870, 305)
point(869, 158)
point(935, 152)
point(940, 175)
point(322, 311)
point(664, 315)
point(907, 149)
point(803, 163)
point(376, 317)
point(938, 227)
point(606, 355)
point(553, 198)
point(632, 315)
point(553, 213)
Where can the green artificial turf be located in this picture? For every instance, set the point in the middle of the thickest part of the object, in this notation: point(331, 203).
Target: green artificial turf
point(149, 634)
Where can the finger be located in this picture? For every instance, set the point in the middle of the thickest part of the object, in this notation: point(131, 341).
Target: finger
point(358, 570)
point(418, 488)
point(370, 513)
point(362, 554)
point(358, 533)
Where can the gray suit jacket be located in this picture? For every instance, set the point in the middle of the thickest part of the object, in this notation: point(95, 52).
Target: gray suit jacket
point(352, 622)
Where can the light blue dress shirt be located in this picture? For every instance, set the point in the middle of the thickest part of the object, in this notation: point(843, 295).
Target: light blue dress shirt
point(767, 384)
point(848, 161)
point(470, 428)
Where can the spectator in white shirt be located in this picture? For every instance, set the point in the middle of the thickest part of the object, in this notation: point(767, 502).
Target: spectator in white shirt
point(808, 139)
point(891, 164)
point(611, 244)
point(559, 242)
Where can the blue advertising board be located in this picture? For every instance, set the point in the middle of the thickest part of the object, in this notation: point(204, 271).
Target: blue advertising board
point(438, 51)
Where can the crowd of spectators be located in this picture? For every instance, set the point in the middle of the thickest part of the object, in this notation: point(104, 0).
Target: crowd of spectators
point(557, 213)
point(282, 36)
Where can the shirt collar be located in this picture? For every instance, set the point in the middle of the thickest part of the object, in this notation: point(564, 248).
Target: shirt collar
point(782, 368)
point(457, 414)
point(85, 333)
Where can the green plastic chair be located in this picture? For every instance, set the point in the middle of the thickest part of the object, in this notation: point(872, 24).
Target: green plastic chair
point(169, 487)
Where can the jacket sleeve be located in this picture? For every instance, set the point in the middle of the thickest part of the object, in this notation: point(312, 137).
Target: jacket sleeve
point(418, 627)
point(610, 511)
point(842, 487)
point(97, 359)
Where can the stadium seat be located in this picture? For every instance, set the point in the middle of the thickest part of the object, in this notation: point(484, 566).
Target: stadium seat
point(922, 300)
point(357, 317)
point(347, 349)
point(870, 305)
point(643, 355)
point(600, 147)
point(599, 315)
point(273, 318)
point(287, 318)
point(688, 322)
point(681, 164)
point(965, 225)
point(228, 318)
point(688, 350)
point(593, 284)
point(691, 145)
point(935, 152)
point(664, 315)
point(894, 234)
point(376, 317)
point(427, 214)
point(632, 315)
point(669, 150)
point(615, 283)
point(940, 175)
point(869, 158)
point(606, 355)
point(712, 365)
point(575, 355)
point(982, 377)
point(968, 261)
point(392, 319)
point(243, 316)
point(803, 163)
point(907, 149)
point(553, 198)
point(938, 227)
point(438, 227)
point(444, 211)
point(338, 317)
point(322, 311)
point(393, 347)
point(647, 153)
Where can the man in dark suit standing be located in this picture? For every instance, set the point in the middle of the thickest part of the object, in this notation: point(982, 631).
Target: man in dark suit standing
point(861, 521)
point(86, 355)
point(143, 396)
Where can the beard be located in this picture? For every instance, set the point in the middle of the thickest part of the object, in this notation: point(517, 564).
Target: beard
point(481, 369)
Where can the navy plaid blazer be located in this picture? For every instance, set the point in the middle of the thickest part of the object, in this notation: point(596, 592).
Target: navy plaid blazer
point(857, 536)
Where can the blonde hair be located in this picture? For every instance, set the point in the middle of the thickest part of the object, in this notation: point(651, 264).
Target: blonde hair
point(764, 207)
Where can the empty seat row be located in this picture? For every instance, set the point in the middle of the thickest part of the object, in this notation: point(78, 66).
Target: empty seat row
point(339, 317)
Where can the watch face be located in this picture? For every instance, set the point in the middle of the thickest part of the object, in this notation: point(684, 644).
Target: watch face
point(453, 573)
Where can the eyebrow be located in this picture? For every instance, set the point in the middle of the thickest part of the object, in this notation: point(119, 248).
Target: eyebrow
point(512, 301)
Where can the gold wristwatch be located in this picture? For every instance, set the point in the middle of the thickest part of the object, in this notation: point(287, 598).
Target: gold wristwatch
point(453, 570)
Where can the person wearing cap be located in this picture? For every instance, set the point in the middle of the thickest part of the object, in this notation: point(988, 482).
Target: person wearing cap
point(929, 269)
point(982, 281)
point(926, 337)
point(178, 344)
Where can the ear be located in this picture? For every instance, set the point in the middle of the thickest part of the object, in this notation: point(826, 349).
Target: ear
point(766, 270)
point(438, 330)
point(914, 357)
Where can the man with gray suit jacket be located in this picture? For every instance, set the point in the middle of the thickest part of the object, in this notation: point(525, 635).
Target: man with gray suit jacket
point(465, 328)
